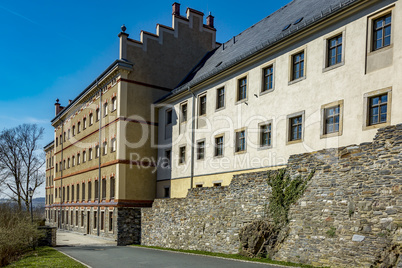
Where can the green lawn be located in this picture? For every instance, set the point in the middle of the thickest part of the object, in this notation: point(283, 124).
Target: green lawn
point(45, 257)
point(233, 256)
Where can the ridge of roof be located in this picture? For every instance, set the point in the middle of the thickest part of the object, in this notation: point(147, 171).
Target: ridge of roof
point(262, 35)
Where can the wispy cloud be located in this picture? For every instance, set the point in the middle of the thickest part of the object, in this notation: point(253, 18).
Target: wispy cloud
point(33, 120)
point(31, 21)
point(19, 15)
point(9, 120)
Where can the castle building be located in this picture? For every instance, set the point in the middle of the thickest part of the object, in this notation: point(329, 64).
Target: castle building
point(178, 110)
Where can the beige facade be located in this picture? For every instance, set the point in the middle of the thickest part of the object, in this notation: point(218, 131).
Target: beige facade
point(103, 154)
point(320, 82)
point(296, 112)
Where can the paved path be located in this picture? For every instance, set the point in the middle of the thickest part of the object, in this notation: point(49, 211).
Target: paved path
point(121, 257)
point(65, 238)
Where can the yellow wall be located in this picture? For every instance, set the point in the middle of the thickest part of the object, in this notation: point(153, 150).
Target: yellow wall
point(180, 187)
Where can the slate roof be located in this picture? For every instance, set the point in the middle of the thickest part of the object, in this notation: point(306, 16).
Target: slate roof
point(261, 36)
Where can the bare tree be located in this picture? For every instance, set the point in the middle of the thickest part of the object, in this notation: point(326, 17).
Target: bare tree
point(21, 162)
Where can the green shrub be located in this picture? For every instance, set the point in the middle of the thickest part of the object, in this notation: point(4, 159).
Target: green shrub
point(285, 192)
point(17, 233)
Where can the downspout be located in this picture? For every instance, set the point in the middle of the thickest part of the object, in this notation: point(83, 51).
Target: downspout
point(61, 216)
point(193, 118)
point(100, 156)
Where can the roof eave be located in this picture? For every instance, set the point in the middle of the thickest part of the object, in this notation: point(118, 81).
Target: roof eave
point(121, 64)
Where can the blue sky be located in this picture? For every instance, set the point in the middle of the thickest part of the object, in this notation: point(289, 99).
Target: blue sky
point(55, 49)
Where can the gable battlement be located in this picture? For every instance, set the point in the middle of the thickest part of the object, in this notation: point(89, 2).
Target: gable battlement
point(194, 19)
point(183, 44)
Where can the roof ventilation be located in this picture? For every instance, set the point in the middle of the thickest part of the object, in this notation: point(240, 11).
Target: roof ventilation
point(218, 64)
point(286, 27)
point(298, 20)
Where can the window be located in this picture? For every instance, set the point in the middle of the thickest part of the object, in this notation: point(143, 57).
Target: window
point(97, 152)
point(219, 146)
point(382, 32)
point(91, 119)
point(295, 127)
point(168, 157)
point(200, 150)
point(68, 194)
point(166, 192)
point(169, 115)
point(78, 193)
point(64, 138)
point(268, 74)
point(79, 127)
point(95, 219)
point(112, 187)
point(217, 184)
point(183, 113)
point(68, 132)
point(57, 141)
point(84, 123)
point(90, 153)
point(114, 104)
point(241, 141)
point(103, 189)
point(78, 159)
point(73, 160)
point(105, 109)
point(84, 156)
point(82, 218)
point(72, 193)
point(97, 114)
point(96, 189)
point(182, 154)
point(110, 221)
point(242, 89)
point(113, 147)
point(298, 66)
point(265, 135)
point(57, 170)
point(198, 185)
point(105, 148)
point(68, 163)
point(89, 191)
point(332, 119)
point(83, 192)
point(331, 116)
point(220, 98)
point(334, 50)
point(203, 105)
point(73, 131)
point(378, 106)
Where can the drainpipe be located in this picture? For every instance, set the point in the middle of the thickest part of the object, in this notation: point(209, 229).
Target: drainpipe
point(100, 156)
point(61, 215)
point(193, 118)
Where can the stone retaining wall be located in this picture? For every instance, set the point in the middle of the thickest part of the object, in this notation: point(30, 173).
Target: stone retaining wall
point(349, 216)
point(128, 226)
point(208, 218)
point(351, 212)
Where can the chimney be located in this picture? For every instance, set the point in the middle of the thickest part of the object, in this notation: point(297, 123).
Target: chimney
point(123, 43)
point(70, 101)
point(57, 107)
point(210, 20)
point(176, 9)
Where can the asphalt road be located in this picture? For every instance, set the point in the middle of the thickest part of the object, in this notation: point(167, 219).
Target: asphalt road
point(120, 257)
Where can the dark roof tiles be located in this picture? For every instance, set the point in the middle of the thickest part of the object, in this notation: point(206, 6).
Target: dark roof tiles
point(260, 36)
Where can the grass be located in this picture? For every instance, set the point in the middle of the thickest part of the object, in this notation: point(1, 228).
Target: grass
point(45, 257)
point(231, 256)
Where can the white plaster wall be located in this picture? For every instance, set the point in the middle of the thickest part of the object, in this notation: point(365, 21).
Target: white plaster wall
point(348, 82)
